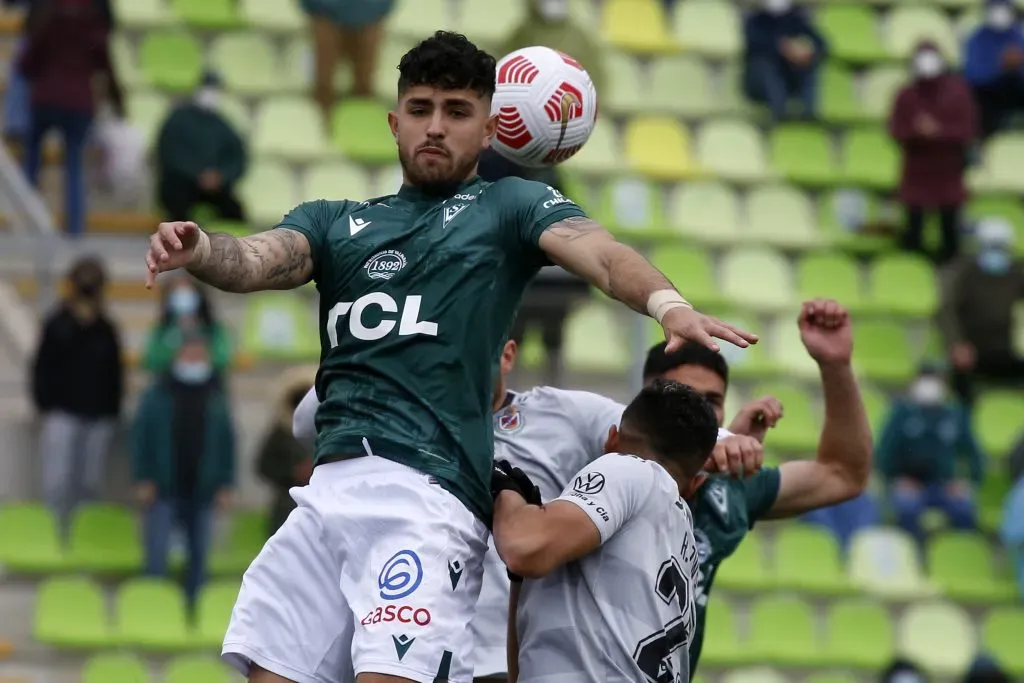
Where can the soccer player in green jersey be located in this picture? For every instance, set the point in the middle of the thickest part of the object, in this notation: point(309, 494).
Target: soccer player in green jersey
point(376, 573)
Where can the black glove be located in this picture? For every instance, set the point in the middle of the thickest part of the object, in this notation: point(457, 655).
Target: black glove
point(505, 477)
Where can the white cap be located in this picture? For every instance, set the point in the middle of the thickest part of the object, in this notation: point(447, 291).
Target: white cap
point(994, 232)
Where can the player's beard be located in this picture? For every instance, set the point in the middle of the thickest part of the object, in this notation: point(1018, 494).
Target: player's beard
point(440, 178)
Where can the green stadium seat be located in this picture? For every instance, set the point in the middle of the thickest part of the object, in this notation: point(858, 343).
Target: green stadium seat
point(104, 539)
point(803, 154)
point(673, 75)
point(114, 668)
point(584, 13)
point(147, 111)
point(706, 211)
point(213, 612)
point(732, 97)
point(207, 14)
point(859, 634)
point(760, 674)
point(247, 62)
point(808, 559)
point(745, 569)
point(407, 18)
point(1000, 637)
point(490, 24)
point(143, 14)
point(962, 565)
point(831, 677)
point(852, 237)
point(272, 15)
point(636, 26)
point(939, 636)
point(600, 156)
point(122, 54)
point(903, 285)
point(336, 179)
point(708, 27)
point(991, 496)
point(997, 418)
point(757, 280)
point(870, 159)
point(1001, 164)
point(29, 542)
point(625, 92)
point(361, 131)
point(70, 613)
point(881, 85)
point(268, 192)
point(630, 206)
point(1009, 208)
point(908, 25)
point(799, 430)
point(883, 352)
point(830, 276)
point(787, 351)
point(783, 633)
point(281, 326)
point(781, 216)
point(150, 616)
point(752, 362)
point(595, 339)
point(197, 669)
point(884, 562)
point(722, 645)
point(732, 150)
point(658, 148)
point(838, 101)
point(248, 533)
point(851, 31)
point(290, 128)
point(171, 60)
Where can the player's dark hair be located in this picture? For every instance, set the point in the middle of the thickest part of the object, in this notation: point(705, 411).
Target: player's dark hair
point(675, 421)
point(448, 61)
point(691, 353)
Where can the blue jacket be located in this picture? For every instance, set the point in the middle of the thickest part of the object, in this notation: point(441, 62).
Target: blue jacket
point(983, 50)
point(924, 443)
point(763, 31)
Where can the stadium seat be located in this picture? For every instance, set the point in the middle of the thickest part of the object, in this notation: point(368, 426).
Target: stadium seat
point(596, 339)
point(490, 23)
point(28, 540)
point(908, 25)
point(939, 636)
point(883, 352)
point(997, 418)
point(197, 669)
point(757, 280)
point(147, 111)
point(834, 221)
point(1009, 208)
point(851, 31)
point(798, 432)
point(280, 326)
point(732, 150)
point(752, 362)
point(991, 496)
point(626, 92)
point(122, 54)
point(361, 132)
point(1001, 638)
point(600, 155)
point(143, 14)
point(632, 207)
point(658, 148)
point(708, 27)
point(636, 26)
point(722, 646)
point(831, 677)
point(731, 96)
point(247, 62)
point(782, 632)
point(1001, 164)
point(213, 612)
point(830, 276)
point(876, 405)
point(781, 216)
point(903, 285)
point(691, 270)
point(745, 570)
point(290, 128)
point(248, 532)
point(70, 613)
point(670, 76)
point(237, 113)
point(272, 15)
point(104, 539)
point(962, 565)
point(838, 101)
point(207, 14)
point(298, 66)
point(115, 668)
point(385, 78)
point(758, 674)
point(881, 86)
point(803, 154)
point(335, 179)
point(787, 351)
point(884, 562)
point(807, 559)
point(407, 18)
point(149, 614)
point(859, 634)
point(870, 159)
point(584, 13)
point(267, 190)
point(706, 211)
point(171, 60)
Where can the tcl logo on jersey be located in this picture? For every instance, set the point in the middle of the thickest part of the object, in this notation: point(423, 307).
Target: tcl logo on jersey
point(559, 198)
point(404, 614)
point(408, 324)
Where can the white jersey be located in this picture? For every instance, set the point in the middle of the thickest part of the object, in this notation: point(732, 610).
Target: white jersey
point(625, 612)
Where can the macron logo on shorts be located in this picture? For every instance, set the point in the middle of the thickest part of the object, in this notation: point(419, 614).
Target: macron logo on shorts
point(401, 576)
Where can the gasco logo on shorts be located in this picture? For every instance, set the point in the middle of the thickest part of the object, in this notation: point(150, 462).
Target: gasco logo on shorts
point(404, 614)
point(401, 576)
point(385, 265)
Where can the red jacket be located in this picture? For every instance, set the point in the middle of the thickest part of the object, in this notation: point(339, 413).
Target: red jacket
point(933, 165)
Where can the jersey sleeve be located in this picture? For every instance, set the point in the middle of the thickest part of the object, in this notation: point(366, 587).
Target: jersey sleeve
point(314, 220)
point(592, 416)
point(760, 492)
point(529, 208)
point(611, 490)
point(304, 419)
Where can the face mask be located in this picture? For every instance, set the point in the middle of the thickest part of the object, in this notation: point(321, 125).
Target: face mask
point(928, 390)
point(777, 6)
point(928, 64)
point(553, 10)
point(183, 301)
point(1000, 17)
point(192, 372)
point(994, 261)
point(208, 98)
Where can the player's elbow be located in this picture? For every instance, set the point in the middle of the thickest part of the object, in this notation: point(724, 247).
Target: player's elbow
point(850, 479)
point(528, 556)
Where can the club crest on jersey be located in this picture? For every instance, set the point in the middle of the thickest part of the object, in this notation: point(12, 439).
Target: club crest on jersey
point(384, 265)
point(510, 420)
point(450, 212)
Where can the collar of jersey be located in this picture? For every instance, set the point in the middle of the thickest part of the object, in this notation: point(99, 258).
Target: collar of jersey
point(410, 193)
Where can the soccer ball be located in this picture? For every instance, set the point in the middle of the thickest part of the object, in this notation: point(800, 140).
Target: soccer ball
point(546, 107)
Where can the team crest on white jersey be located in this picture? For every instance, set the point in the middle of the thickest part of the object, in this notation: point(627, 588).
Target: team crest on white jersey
point(450, 212)
point(384, 265)
point(510, 420)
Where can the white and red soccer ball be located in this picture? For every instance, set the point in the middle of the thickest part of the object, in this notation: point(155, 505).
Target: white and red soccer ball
point(546, 107)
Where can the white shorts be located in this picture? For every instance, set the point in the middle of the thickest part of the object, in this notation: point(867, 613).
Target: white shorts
point(490, 625)
point(377, 570)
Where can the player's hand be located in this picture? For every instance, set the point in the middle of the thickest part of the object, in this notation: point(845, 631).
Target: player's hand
point(757, 417)
point(170, 247)
point(739, 455)
point(684, 324)
point(505, 477)
point(826, 332)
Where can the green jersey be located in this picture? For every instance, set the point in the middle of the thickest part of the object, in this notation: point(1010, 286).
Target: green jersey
point(417, 295)
point(724, 510)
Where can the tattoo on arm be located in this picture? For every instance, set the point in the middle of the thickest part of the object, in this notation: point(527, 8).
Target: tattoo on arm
point(275, 259)
point(575, 227)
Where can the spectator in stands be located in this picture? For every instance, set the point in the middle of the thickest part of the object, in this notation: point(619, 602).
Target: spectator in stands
point(184, 309)
point(994, 66)
point(933, 120)
point(984, 669)
point(924, 437)
point(67, 46)
point(284, 461)
point(183, 459)
point(351, 29)
point(16, 95)
point(903, 671)
point(976, 314)
point(783, 53)
point(77, 387)
point(200, 157)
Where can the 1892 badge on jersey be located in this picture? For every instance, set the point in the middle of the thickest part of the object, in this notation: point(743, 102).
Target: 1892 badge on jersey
point(510, 420)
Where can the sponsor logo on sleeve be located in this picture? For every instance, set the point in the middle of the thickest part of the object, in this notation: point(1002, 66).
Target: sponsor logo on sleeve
point(557, 198)
point(400, 576)
point(588, 484)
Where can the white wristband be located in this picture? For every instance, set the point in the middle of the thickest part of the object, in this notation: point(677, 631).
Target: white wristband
point(663, 301)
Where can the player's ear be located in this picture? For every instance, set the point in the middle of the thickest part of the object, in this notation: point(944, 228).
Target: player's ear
point(508, 356)
point(611, 444)
point(393, 124)
point(490, 128)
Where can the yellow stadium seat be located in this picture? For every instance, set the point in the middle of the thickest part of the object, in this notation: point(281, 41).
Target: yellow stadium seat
point(733, 150)
point(781, 216)
point(290, 128)
point(707, 211)
point(636, 26)
point(658, 148)
point(710, 27)
point(757, 280)
point(938, 635)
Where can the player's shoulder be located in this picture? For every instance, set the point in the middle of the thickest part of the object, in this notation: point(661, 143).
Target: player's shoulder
point(620, 468)
point(515, 189)
point(567, 398)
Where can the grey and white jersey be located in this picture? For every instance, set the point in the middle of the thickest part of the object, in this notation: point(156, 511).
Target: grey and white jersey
point(625, 612)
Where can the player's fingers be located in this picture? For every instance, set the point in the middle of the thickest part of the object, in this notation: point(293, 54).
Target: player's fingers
point(719, 460)
point(735, 332)
point(158, 248)
point(150, 277)
point(169, 236)
point(753, 456)
point(772, 409)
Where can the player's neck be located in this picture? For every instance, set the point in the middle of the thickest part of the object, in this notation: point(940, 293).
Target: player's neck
point(432, 191)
